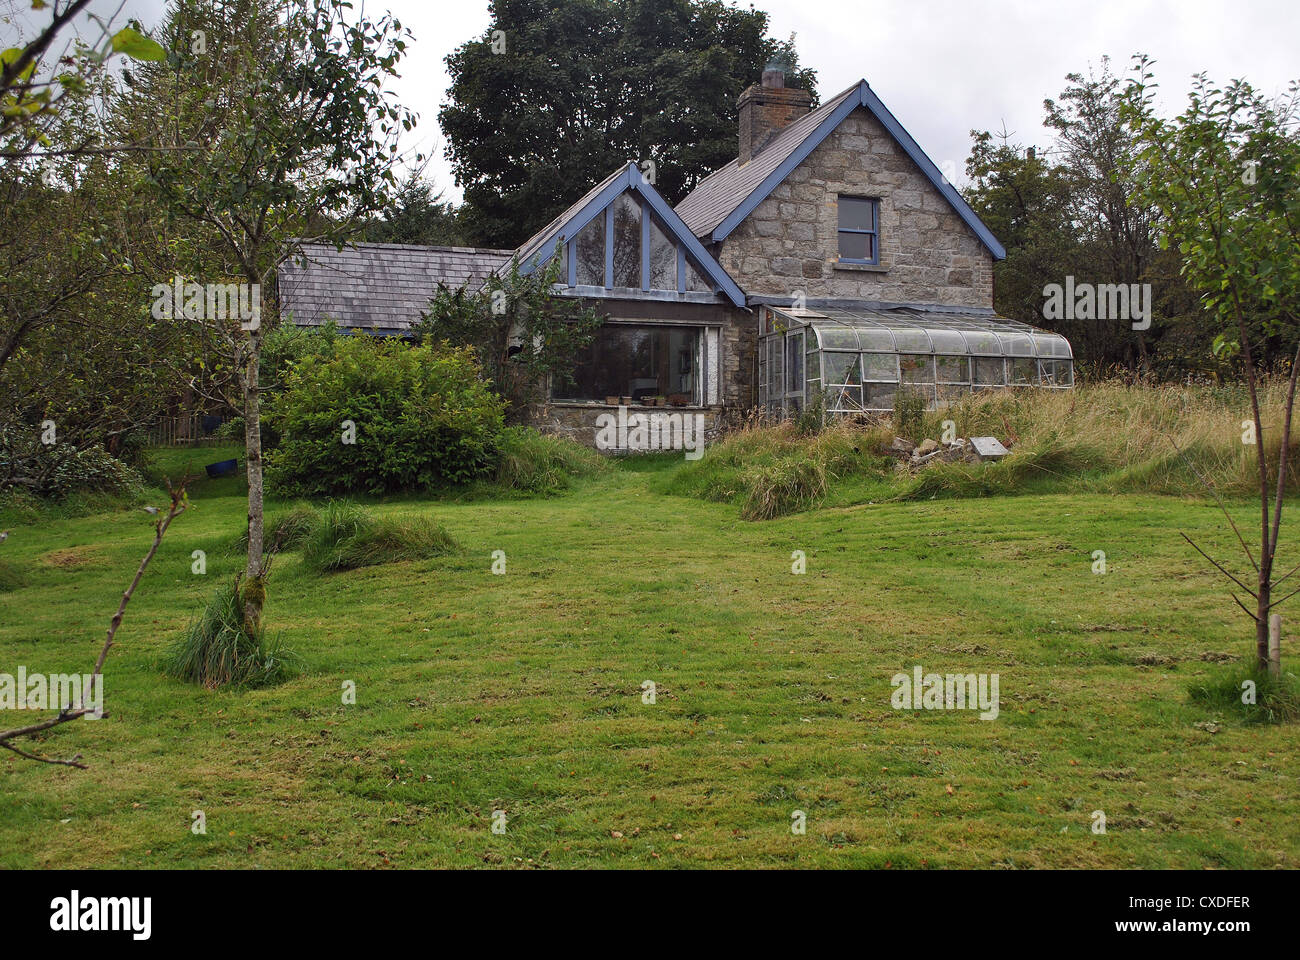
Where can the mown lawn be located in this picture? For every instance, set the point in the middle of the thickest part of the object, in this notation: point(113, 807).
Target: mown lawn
point(522, 692)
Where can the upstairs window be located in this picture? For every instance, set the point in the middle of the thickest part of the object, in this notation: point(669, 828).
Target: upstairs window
point(859, 230)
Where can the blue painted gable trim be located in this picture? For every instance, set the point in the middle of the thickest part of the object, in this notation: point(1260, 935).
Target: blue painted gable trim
point(862, 97)
point(631, 178)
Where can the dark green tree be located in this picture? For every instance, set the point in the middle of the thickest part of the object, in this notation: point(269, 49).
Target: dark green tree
point(419, 216)
point(556, 94)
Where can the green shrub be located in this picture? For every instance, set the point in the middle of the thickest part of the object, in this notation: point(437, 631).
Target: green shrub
point(61, 469)
point(217, 651)
point(534, 463)
point(347, 537)
point(423, 418)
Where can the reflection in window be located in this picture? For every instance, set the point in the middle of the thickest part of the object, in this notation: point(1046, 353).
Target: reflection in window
point(663, 259)
point(636, 362)
point(590, 253)
point(627, 242)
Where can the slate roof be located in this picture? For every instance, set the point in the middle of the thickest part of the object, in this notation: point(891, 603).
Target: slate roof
point(547, 236)
point(722, 191)
point(723, 199)
point(376, 286)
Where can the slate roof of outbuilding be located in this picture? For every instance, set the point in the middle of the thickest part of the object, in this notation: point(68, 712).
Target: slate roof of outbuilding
point(376, 286)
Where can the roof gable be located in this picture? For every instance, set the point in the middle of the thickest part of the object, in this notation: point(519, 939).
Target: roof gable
point(569, 224)
point(725, 198)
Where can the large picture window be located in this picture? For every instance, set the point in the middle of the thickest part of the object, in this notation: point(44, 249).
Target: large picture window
point(638, 362)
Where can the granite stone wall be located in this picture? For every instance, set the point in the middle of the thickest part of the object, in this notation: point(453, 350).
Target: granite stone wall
point(927, 253)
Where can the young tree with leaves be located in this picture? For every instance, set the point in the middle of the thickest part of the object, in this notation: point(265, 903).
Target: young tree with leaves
point(1225, 175)
point(285, 134)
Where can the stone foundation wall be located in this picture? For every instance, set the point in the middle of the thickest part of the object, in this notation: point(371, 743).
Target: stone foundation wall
point(579, 421)
point(790, 242)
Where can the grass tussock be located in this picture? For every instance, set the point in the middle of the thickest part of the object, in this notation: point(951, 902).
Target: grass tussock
point(1277, 699)
point(772, 470)
point(540, 465)
point(285, 529)
point(346, 537)
point(1109, 437)
point(218, 651)
point(11, 577)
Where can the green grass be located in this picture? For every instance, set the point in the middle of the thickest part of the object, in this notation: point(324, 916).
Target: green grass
point(523, 692)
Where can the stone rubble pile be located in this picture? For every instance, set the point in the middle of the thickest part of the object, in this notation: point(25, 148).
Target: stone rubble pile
point(911, 456)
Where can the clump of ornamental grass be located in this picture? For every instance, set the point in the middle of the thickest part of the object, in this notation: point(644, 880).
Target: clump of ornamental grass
point(218, 649)
point(346, 537)
point(1276, 699)
point(538, 464)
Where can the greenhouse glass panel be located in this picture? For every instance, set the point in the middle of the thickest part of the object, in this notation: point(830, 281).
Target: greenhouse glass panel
point(989, 372)
point(793, 366)
point(952, 369)
point(1023, 371)
point(880, 396)
point(984, 343)
point(917, 369)
point(1050, 345)
point(880, 366)
point(1017, 344)
point(1056, 373)
point(875, 338)
point(844, 398)
point(842, 368)
point(914, 341)
point(953, 391)
point(948, 341)
point(839, 338)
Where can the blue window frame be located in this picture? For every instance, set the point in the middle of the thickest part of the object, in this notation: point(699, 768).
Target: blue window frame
point(859, 230)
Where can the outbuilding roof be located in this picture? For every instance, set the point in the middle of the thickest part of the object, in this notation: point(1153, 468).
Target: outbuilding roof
point(376, 286)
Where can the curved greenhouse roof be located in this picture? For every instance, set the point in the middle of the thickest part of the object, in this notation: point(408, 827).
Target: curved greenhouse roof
point(916, 331)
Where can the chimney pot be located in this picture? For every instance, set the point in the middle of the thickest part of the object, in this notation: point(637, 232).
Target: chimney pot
point(774, 78)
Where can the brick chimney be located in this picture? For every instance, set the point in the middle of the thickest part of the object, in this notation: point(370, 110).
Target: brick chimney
point(768, 108)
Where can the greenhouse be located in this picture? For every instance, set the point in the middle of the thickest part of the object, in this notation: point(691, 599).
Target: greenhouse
point(860, 359)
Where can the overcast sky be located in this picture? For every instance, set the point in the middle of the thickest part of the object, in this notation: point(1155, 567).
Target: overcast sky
point(942, 67)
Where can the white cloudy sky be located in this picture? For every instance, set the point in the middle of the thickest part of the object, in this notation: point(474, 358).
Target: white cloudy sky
point(942, 66)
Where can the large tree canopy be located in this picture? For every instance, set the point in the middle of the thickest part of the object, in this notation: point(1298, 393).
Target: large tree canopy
point(558, 93)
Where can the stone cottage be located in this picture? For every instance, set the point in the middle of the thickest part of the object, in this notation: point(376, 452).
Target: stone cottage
point(830, 262)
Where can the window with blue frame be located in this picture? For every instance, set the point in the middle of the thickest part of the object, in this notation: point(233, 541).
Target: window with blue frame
point(626, 247)
point(859, 230)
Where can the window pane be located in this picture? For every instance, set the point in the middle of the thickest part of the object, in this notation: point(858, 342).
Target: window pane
point(856, 246)
point(856, 213)
point(953, 391)
point(881, 366)
point(880, 396)
point(793, 366)
point(952, 369)
point(663, 260)
point(844, 398)
point(696, 281)
point(841, 368)
point(637, 362)
point(627, 242)
point(590, 248)
point(917, 369)
point(1024, 370)
point(1056, 373)
point(989, 371)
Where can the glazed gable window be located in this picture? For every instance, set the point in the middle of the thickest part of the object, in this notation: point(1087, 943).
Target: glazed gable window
point(859, 239)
